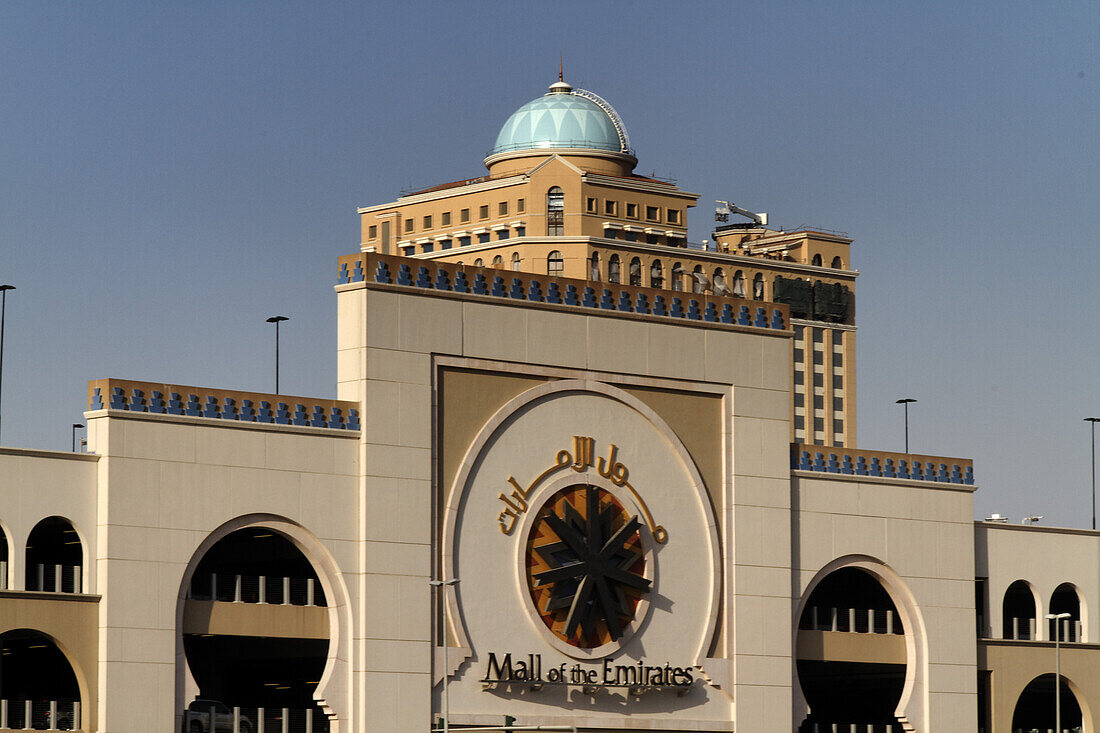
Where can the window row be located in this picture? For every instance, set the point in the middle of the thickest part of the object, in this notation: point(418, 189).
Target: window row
point(837, 264)
point(630, 235)
point(697, 281)
point(652, 213)
point(440, 244)
point(428, 221)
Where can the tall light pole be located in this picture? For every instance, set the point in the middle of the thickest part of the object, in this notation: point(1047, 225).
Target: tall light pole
point(3, 301)
point(1057, 619)
point(76, 426)
point(277, 320)
point(1093, 420)
point(446, 657)
point(906, 402)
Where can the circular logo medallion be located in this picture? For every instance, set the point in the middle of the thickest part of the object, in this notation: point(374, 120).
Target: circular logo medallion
point(585, 566)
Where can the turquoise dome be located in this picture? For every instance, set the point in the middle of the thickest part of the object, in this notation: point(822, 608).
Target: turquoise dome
point(563, 118)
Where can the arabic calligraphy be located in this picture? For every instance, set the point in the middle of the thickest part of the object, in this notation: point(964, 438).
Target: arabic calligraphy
point(581, 459)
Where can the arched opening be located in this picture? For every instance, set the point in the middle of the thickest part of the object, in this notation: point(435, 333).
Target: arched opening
point(1018, 612)
point(1035, 706)
point(698, 280)
point(479, 262)
point(38, 683)
point(1065, 599)
point(656, 275)
point(842, 690)
point(636, 272)
point(838, 264)
point(4, 582)
point(739, 284)
point(614, 268)
point(555, 212)
point(271, 651)
point(677, 276)
point(719, 282)
point(55, 557)
point(594, 267)
point(758, 287)
point(515, 261)
point(555, 263)
point(816, 260)
point(498, 262)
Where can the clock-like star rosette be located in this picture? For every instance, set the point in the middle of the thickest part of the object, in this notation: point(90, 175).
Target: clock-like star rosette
point(585, 566)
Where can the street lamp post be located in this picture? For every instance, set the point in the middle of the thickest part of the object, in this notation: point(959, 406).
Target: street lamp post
point(1057, 619)
point(277, 320)
point(76, 426)
point(446, 657)
point(3, 301)
point(1093, 420)
point(906, 402)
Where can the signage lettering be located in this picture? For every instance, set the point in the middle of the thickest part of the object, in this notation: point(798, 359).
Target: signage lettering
point(528, 669)
point(581, 459)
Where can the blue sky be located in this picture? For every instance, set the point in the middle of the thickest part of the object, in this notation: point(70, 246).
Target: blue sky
point(173, 174)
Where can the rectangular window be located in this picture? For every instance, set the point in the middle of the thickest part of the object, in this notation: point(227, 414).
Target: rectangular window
point(408, 225)
point(799, 377)
point(372, 231)
point(652, 213)
point(521, 231)
point(409, 251)
point(838, 427)
point(502, 234)
point(630, 236)
point(483, 238)
point(632, 211)
point(463, 241)
point(464, 215)
point(799, 354)
point(838, 382)
point(799, 399)
point(483, 212)
point(819, 358)
point(819, 335)
point(651, 239)
point(819, 379)
point(520, 206)
point(838, 337)
point(673, 216)
point(609, 233)
point(502, 208)
point(428, 221)
point(386, 237)
point(592, 206)
point(799, 422)
point(838, 358)
point(428, 247)
point(444, 244)
point(838, 404)
point(819, 402)
point(445, 218)
point(819, 424)
point(611, 208)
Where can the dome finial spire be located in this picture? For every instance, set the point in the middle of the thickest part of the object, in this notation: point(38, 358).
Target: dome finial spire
point(560, 77)
point(560, 86)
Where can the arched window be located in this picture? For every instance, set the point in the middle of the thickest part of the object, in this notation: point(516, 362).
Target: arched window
point(656, 275)
point(1018, 612)
point(636, 272)
point(677, 276)
point(479, 262)
point(817, 260)
point(698, 280)
point(838, 263)
point(594, 267)
point(554, 263)
point(3, 562)
point(515, 261)
point(54, 557)
point(758, 287)
point(498, 262)
point(458, 264)
point(739, 284)
point(718, 283)
point(613, 269)
point(1034, 707)
point(555, 212)
point(1066, 600)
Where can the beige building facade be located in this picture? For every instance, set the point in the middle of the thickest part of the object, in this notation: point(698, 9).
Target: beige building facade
point(580, 474)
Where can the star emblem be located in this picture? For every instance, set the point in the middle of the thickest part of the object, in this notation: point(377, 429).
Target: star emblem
point(585, 566)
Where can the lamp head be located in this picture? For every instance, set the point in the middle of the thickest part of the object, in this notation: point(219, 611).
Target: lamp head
point(77, 425)
point(904, 401)
point(277, 319)
point(6, 287)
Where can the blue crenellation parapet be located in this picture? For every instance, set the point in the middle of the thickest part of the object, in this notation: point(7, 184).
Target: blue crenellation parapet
point(823, 459)
point(461, 279)
point(218, 404)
